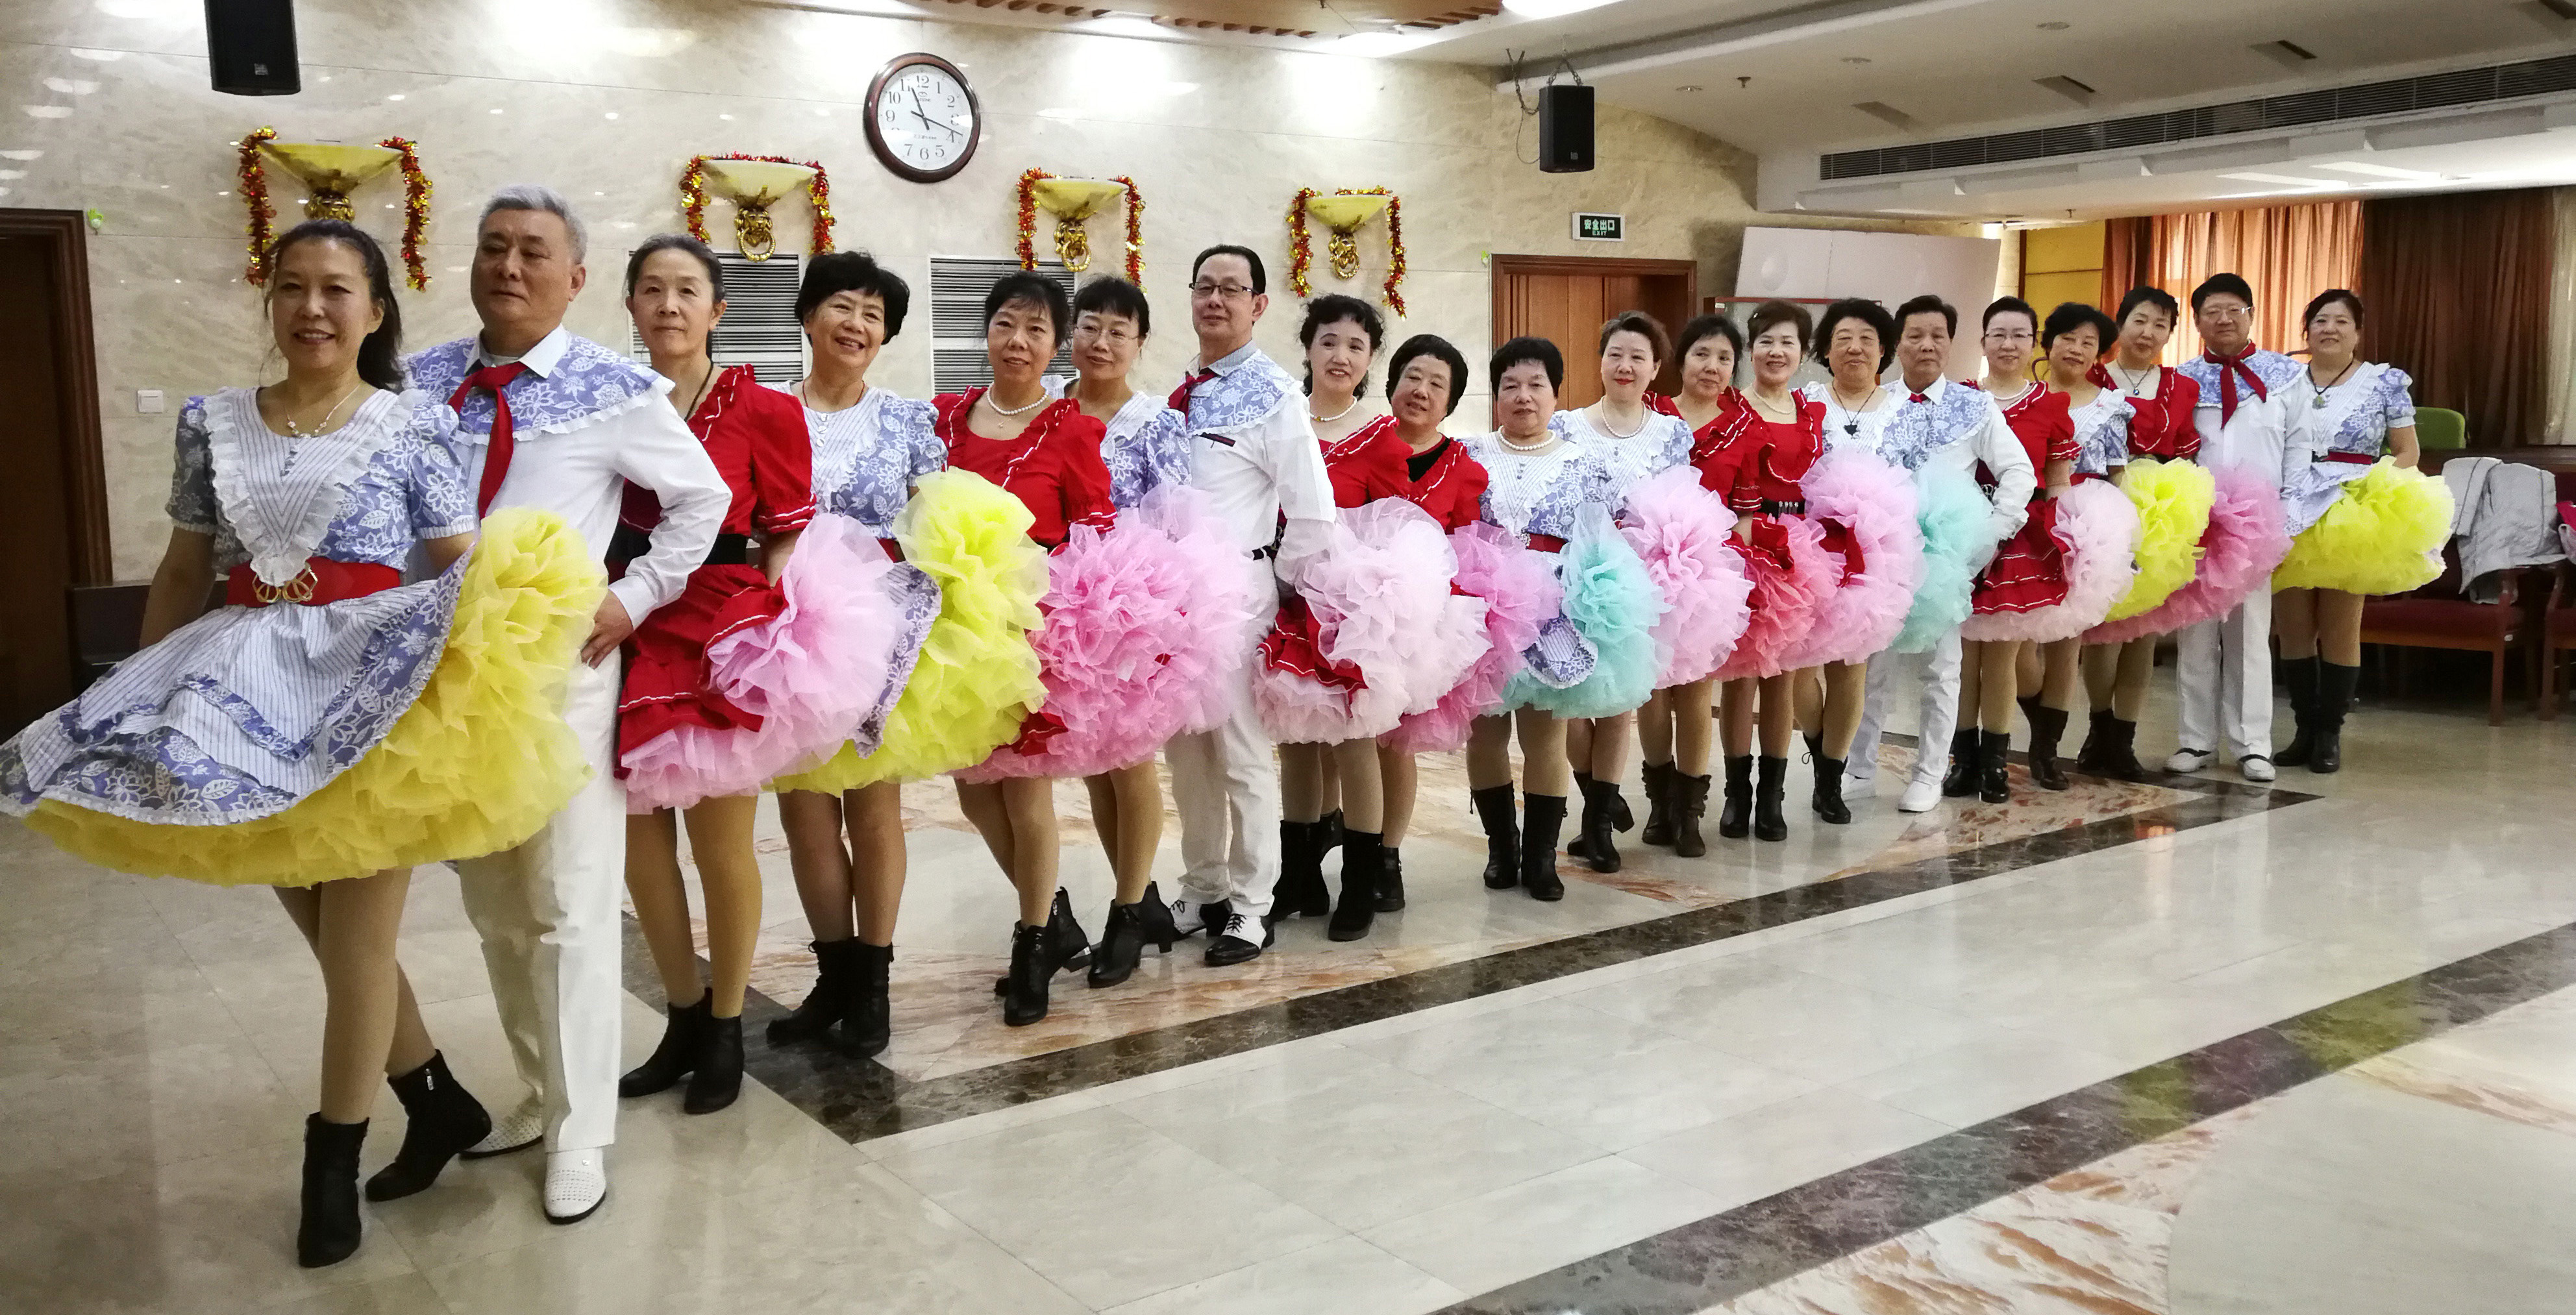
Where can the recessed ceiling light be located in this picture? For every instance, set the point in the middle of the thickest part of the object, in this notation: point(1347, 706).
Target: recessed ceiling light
point(1686, 90)
point(2054, 26)
point(1855, 59)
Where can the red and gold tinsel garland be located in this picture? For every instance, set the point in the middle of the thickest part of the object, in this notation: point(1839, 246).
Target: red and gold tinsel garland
point(1301, 251)
point(1027, 194)
point(254, 190)
point(415, 211)
point(693, 195)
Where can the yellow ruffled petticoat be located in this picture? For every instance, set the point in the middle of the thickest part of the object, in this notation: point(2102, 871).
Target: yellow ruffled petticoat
point(2173, 499)
point(977, 677)
point(2383, 536)
point(477, 764)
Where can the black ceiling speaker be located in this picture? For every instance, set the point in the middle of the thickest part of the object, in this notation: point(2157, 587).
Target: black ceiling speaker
point(250, 45)
point(1565, 129)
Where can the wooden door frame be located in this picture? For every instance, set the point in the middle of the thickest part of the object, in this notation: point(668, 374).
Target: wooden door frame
point(65, 234)
point(1506, 267)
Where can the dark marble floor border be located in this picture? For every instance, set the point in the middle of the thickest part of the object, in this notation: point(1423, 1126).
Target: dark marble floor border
point(1753, 1246)
point(860, 1099)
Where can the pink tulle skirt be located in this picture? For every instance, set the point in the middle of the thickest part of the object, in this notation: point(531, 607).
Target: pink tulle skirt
point(1685, 536)
point(810, 674)
point(1146, 627)
point(1792, 575)
point(1383, 633)
point(1519, 590)
point(2098, 530)
point(2245, 542)
point(1873, 503)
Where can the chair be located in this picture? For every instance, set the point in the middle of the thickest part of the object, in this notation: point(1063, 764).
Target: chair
point(2436, 428)
point(2557, 636)
point(2436, 616)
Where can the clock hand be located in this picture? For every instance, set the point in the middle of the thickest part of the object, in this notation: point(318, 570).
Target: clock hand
point(926, 119)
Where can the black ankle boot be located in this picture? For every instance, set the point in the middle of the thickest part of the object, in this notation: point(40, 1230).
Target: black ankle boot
point(834, 961)
point(1301, 889)
point(1129, 929)
point(1690, 803)
point(1363, 863)
point(1543, 815)
point(2097, 741)
point(682, 1041)
point(2299, 679)
point(1502, 836)
point(2120, 755)
point(1768, 824)
point(328, 1232)
point(1390, 883)
point(1070, 948)
point(1656, 780)
point(1960, 780)
point(1994, 779)
point(717, 1076)
point(1604, 813)
point(2047, 727)
point(867, 1015)
point(1828, 801)
point(2334, 699)
point(1735, 816)
point(1328, 834)
point(1581, 845)
point(440, 1119)
point(1024, 999)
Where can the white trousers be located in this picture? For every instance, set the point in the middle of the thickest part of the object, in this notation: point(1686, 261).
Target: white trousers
point(1225, 784)
point(2225, 680)
point(548, 915)
point(1936, 673)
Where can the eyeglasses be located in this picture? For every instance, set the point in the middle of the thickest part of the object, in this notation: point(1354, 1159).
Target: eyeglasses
point(1222, 291)
point(2226, 312)
point(1115, 335)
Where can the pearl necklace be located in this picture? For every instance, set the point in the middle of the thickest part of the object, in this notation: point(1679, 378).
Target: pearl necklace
point(1337, 415)
point(1540, 446)
point(1645, 415)
point(1023, 410)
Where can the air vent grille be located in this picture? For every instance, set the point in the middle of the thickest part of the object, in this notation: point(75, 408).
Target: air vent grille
point(2367, 100)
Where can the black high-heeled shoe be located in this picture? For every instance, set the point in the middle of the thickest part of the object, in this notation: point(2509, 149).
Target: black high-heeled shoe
point(440, 1120)
point(328, 1231)
point(1069, 946)
point(716, 1078)
point(1301, 889)
point(1125, 934)
point(683, 1040)
point(1024, 994)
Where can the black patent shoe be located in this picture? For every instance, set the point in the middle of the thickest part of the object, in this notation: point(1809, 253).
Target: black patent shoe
point(1024, 993)
point(834, 961)
point(1125, 934)
point(441, 1119)
point(1236, 944)
point(328, 1232)
point(682, 1041)
point(717, 1077)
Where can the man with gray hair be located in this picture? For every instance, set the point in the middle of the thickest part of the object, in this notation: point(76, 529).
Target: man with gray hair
point(560, 423)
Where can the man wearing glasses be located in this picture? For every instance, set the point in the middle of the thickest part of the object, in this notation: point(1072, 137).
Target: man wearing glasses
point(1254, 454)
point(2247, 419)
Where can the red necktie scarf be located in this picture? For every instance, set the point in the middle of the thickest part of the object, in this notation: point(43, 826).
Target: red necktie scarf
point(496, 457)
point(1917, 397)
point(2229, 369)
point(1180, 399)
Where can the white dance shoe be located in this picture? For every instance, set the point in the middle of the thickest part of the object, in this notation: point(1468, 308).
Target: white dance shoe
point(2190, 760)
point(517, 1130)
point(576, 1182)
point(2255, 767)
point(1921, 796)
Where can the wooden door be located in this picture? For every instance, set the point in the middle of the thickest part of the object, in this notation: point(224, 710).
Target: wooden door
point(53, 519)
point(1567, 299)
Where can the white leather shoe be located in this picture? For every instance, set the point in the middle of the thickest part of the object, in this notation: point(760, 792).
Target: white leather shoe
point(576, 1182)
point(1920, 797)
point(1189, 917)
point(2189, 760)
point(517, 1130)
point(2255, 767)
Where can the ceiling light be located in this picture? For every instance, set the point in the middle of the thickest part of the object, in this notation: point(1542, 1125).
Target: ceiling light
point(1855, 59)
point(1887, 114)
point(2284, 179)
point(2054, 26)
point(71, 86)
point(1551, 8)
point(1686, 90)
point(1378, 45)
point(2081, 93)
point(2379, 171)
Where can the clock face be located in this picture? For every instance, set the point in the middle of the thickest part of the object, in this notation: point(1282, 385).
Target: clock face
point(922, 119)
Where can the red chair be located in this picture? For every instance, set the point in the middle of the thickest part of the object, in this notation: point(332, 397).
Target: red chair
point(2557, 636)
point(2436, 616)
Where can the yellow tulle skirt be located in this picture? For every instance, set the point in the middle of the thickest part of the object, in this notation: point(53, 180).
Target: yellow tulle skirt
point(477, 764)
point(2173, 499)
point(977, 677)
point(2383, 536)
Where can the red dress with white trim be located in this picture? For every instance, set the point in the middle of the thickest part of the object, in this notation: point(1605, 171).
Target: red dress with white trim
point(1759, 466)
point(2029, 569)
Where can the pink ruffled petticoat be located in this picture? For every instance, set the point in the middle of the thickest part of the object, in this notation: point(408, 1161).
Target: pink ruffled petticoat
point(1519, 590)
point(1873, 503)
point(1792, 576)
point(1685, 536)
point(2245, 542)
point(1383, 634)
point(2098, 530)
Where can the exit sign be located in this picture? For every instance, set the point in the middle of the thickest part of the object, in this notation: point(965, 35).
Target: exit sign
point(1600, 228)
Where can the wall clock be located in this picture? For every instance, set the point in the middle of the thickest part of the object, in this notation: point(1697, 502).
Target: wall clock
point(923, 121)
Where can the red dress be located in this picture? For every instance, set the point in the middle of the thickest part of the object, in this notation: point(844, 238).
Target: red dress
point(1367, 464)
point(1451, 486)
point(2029, 569)
point(2159, 426)
point(1053, 467)
point(1756, 463)
point(757, 438)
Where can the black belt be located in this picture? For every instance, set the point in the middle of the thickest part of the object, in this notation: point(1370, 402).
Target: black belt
point(630, 543)
point(1770, 508)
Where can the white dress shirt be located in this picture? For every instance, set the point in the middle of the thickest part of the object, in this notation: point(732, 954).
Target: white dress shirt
point(2268, 435)
point(1948, 429)
point(1254, 453)
point(578, 468)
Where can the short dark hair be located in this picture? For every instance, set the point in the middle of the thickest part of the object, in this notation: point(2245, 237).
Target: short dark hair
point(2143, 295)
point(1522, 350)
point(1644, 326)
point(2218, 283)
point(1023, 288)
point(1928, 304)
point(2008, 306)
point(2072, 315)
point(675, 242)
point(835, 272)
point(1867, 311)
point(1771, 313)
point(1330, 309)
point(380, 354)
point(2350, 299)
point(1112, 295)
point(1711, 325)
point(1438, 349)
point(1260, 279)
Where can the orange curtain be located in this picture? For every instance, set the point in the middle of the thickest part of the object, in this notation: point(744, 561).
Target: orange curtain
point(2458, 288)
point(2288, 253)
point(2128, 251)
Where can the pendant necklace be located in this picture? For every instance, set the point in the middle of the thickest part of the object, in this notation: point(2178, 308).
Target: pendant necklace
point(1851, 414)
point(294, 430)
point(2320, 403)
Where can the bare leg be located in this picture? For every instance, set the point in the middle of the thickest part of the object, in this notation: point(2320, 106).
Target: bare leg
point(2029, 670)
point(874, 815)
point(982, 804)
point(2294, 621)
point(1610, 739)
point(1778, 717)
point(1655, 729)
point(1137, 802)
point(1735, 712)
point(359, 920)
point(1692, 726)
point(2339, 627)
point(1363, 796)
point(1846, 691)
point(412, 1046)
point(2129, 689)
point(1104, 815)
point(2101, 672)
point(1578, 744)
point(1301, 783)
point(1029, 805)
point(1544, 767)
point(1807, 701)
point(821, 861)
point(662, 904)
point(1996, 684)
point(1398, 780)
point(2059, 668)
point(720, 841)
point(1489, 753)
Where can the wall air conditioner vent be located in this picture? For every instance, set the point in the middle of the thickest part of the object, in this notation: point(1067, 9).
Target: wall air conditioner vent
point(2539, 77)
point(759, 328)
point(957, 288)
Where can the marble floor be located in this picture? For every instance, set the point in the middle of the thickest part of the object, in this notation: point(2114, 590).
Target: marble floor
point(2188, 1047)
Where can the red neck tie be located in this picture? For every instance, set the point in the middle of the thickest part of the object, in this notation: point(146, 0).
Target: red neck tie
point(1180, 399)
point(496, 457)
point(2229, 367)
point(1916, 397)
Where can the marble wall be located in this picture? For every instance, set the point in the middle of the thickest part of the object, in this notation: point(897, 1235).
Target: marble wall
point(106, 106)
